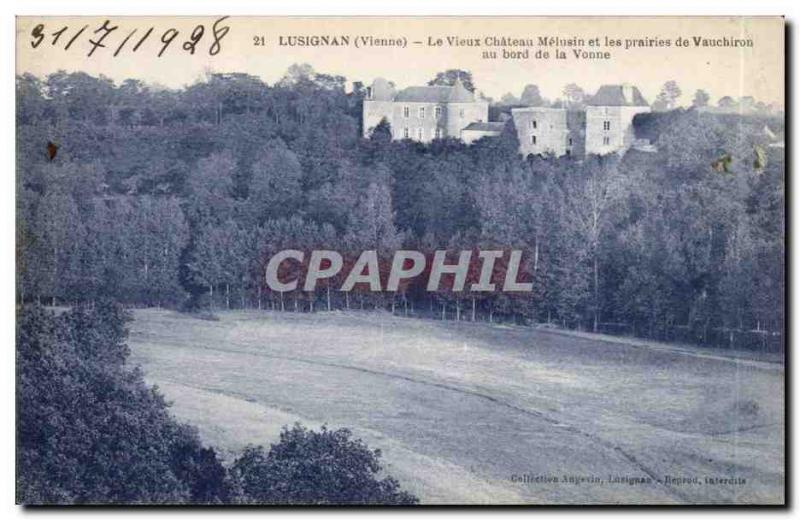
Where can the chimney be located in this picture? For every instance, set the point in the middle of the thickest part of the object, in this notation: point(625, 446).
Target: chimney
point(627, 93)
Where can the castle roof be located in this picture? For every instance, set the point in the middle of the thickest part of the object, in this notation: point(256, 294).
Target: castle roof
point(433, 94)
point(492, 126)
point(460, 94)
point(618, 96)
point(457, 93)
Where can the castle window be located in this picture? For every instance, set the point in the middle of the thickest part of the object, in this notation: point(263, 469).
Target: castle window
point(569, 141)
point(438, 133)
point(422, 112)
point(420, 134)
point(437, 112)
point(606, 125)
point(606, 141)
point(533, 124)
point(533, 139)
point(405, 111)
point(406, 133)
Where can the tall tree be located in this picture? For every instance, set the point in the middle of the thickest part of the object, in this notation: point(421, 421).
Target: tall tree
point(668, 96)
point(211, 188)
point(274, 189)
point(701, 99)
point(450, 76)
point(588, 201)
point(574, 96)
point(531, 96)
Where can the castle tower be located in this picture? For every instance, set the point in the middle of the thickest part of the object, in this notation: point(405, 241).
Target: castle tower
point(377, 105)
point(609, 118)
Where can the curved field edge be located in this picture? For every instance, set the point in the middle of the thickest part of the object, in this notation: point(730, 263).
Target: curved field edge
point(459, 409)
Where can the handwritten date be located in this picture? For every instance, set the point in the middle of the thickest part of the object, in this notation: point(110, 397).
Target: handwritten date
point(109, 36)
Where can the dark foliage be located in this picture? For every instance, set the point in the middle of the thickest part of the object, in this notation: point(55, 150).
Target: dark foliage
point(90, 431)
point(177, 198)
point(308, 467)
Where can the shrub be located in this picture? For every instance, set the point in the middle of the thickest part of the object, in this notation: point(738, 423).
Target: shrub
point(308, 467)
point(89, 431)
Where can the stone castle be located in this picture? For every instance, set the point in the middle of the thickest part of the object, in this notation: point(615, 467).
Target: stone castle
point(422, 114)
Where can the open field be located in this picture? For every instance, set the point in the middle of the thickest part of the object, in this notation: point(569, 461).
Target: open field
point(460, 409)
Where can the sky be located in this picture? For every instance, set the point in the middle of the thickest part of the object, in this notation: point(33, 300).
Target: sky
point(756, 71)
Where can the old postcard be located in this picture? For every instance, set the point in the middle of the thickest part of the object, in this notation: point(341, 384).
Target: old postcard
point(400, 260)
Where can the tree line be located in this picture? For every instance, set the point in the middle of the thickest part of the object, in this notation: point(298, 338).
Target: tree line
point(574, 97)
point(178, 198)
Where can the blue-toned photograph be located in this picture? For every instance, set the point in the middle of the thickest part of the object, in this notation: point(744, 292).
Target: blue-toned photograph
point(400, 261)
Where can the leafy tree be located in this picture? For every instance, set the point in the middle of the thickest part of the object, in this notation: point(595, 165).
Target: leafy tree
point(220, 258)
point(382, 133)
point(31, 103)
point(79, 96)
point(59, 230)
point(531, 96)
point(450, 76)
point(314, 468)
point(726, 102)
point(211, 188)
point(701, 99)
point(157, 192)
point(156, 237)
point(588, 202)
point(274, 189)
point(668, 97)
point(89, 431)
point(574, 95)
point(509, 99)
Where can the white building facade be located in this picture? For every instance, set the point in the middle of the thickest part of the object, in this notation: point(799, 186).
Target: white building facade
point(541, 130)
point(609, 118)
point(603, 126)
point(422, 113)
